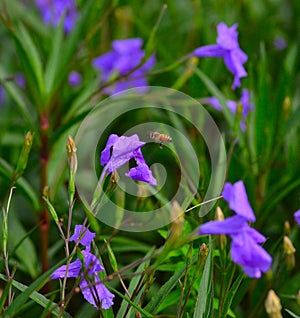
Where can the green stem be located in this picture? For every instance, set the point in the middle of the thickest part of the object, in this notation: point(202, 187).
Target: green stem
point(44, 216)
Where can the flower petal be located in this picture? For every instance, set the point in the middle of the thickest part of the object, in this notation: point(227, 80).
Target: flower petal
point(213, 50)
point(96, 293)
point(297, 217)
point(229, 226)
point(236, 195)
point(73, 270)
point(82, 235)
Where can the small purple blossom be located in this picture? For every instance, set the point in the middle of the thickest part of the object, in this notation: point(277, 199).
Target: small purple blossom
point(245, 248)
point(74, 79)
point(20, 80)
point(228, 48)
point(232, 105)
point(280, 43)
point(123, 149)
point(125, 56)
point(297, 217)
point(52, 11)
point(87, 269)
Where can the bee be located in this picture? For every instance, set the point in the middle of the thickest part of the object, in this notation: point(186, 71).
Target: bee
point(159, 138)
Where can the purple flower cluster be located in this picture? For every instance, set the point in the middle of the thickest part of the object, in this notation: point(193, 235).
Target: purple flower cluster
point(232, 105)
point(123, 149)
point(53, 10)
point(124, 58)
point(228, 48)
point(87, 269)
point(245, 248)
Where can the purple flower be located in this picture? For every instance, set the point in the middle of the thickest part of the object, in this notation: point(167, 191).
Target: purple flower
point(123, 149)
point(52, 11)
point(87, 269)
point(236, 195)
point(20, 80)
point(232, 105)
point(228, 48)
point(74, 79)
point(297, 217)
point(125, 56)
point(83, 236)
point(245, 248)
point(280, 43)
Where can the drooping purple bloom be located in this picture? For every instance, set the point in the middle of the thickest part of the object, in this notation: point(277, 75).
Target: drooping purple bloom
point(124, 58)
point(123, 149)
point(245, 248)
point(245, 101)
point(297, 217)
point(74, 79)
point(53, 10)
point(87, 269)
point(228, 48)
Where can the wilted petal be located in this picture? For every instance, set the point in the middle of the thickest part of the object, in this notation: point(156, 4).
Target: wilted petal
point(82, 235)
point(73, 270)
point(235, 194)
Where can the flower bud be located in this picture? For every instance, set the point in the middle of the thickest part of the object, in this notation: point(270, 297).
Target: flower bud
point(202, 255)
point(287, 228)
point(273, 305)
point(177, 216)
point(71, 152)
point(286, 107)
point(289, 251)
point(221, 239)
point(23, 159)
point(72, 161)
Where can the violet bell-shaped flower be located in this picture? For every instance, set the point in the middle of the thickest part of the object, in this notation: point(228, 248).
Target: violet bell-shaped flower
point(52, 11)
point(228, 48)
point(123, 149)
point(87, 269)
point(123, 60)
point(245, 248)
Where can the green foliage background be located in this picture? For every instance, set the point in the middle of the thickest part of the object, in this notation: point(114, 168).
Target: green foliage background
point(265, 157)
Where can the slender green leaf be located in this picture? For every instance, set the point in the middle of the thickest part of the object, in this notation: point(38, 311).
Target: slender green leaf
point(133, 285)
point(292, 314)
point(205, 299)
point(7, 171)
point(54, 61)
point(26, 252)
point(20, 98)
point(28, 292)
point(30, 55)
point(164, 291)
point(232, 292)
